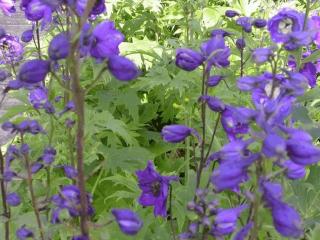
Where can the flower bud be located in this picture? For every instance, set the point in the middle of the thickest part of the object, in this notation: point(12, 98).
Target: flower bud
point(122, 68)
point(13, 199)
point(259, 23)
point(34, 71)
point(27, 36)
point(59, 47)
point(23, 233)
point(231, 13)
point(175, 133)
point(214, 80)
point(188, 59)
point(128, 221)
point(240, 43)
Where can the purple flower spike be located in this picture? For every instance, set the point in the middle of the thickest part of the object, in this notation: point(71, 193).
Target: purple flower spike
point(220, 32)
point(13, 199)
point(24, 233)
point(59, 47)
point(34, 71)
point(27, 36)
point(154, 189)
point(122, 68)
point(188, 59)
point(226, 221)
point(177, 133)
point(128, 221)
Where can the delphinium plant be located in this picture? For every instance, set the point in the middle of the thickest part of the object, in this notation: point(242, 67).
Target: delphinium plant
point(236, 190)
point(265, 143)
point(77, 39)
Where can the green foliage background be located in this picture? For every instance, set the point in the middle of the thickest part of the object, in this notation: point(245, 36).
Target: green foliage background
point(124, 120)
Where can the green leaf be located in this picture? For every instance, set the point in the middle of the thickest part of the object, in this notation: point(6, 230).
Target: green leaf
point(129, 158)
point(313, 57)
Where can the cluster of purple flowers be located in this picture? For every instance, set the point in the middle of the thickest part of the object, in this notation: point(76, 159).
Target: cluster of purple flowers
point(273, 94)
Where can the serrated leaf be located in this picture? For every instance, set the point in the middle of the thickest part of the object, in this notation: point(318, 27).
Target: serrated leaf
point(313, 57)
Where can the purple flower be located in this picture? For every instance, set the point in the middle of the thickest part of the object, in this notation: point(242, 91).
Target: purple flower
point(7, 6)
point(220, 32)
point(23, 233)
point(80, 237)
point(226, 221)
point(29, 126)
point(36, 167)
point(69, 199)
point(106, 40)
point(34, 71)
point(243, 233)
point(216, 52)
point(302, 152)
point(214, 80)
point(188, 59)
point(11, 49)
point(297, 39)
point(154, 189)
point(122, 68)
point(240, 43)
point(59, 47)
point(259, 23)
point(38, 97)
point(27, 36)
point(36, 10)
point(233, 122)
point(128, 221)
point(3, 75)
point(70, 172)
point(214, 103)
point(286, 220)
point(248, 83)
point(80, 6)
point(284, 23)
point(231, 13)
point(262, 55)
point(274, 145)
point(230, 174)
point(272, 192)
point(294, 171)
point(13, 85)
point(176, 133)
point(245, 23)
point(309, 70)
point(48, 155)
point(13, 199)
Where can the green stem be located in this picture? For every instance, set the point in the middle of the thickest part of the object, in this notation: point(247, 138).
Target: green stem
point(6, 211)
point(32, 194)
point(171, 215)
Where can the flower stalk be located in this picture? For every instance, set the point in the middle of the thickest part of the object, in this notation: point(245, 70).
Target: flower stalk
point(6, 211)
